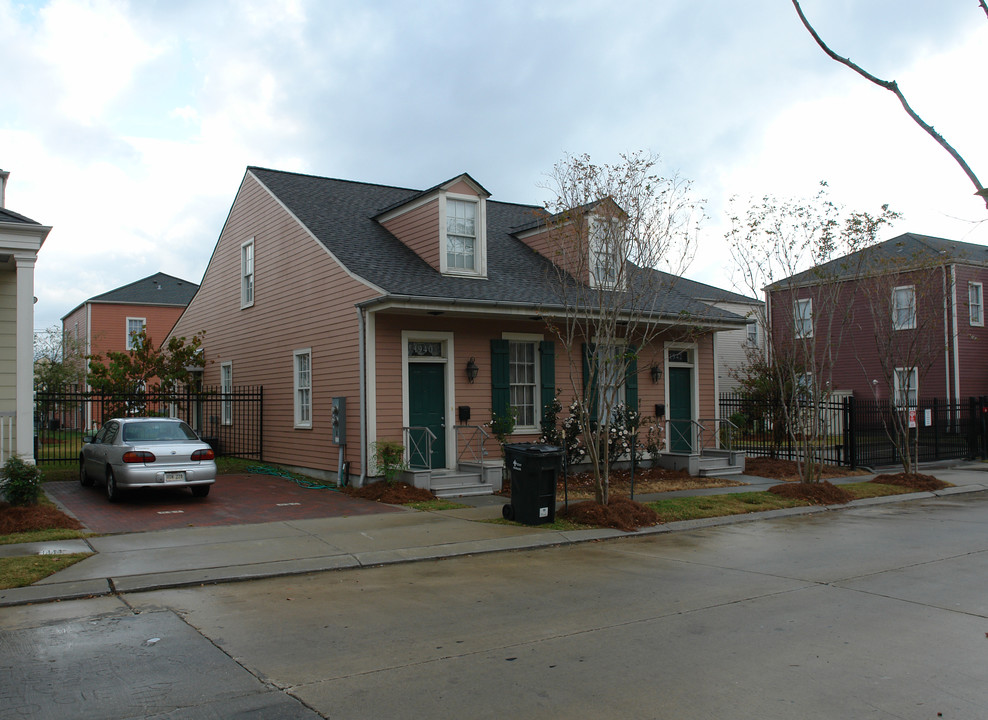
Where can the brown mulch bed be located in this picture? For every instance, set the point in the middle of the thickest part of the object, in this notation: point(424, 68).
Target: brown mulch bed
point(915, 481)
point(620, 513)
point(17, 518)
point(819, 493)
point(391, 493)
point(786, 470)
point(647, 480)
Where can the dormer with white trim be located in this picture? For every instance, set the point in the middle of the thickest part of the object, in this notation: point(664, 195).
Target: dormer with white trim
point(446, 226)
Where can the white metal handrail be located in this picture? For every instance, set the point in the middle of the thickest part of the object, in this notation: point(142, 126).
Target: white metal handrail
point(6, 434)
point(412, 446)
point(720, 439)
point(477, 433)
point(696, 432)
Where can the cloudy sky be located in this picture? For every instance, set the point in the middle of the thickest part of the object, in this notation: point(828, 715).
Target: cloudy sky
point(128, 125)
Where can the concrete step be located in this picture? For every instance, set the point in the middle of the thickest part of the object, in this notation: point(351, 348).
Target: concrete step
point(458, 484)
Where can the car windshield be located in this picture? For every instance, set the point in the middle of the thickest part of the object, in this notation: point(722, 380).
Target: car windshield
point(163, 430)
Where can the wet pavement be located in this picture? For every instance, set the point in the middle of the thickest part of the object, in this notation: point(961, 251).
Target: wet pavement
point(233, 500)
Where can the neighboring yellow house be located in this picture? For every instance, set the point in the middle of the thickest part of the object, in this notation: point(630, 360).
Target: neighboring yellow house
point(20, 240)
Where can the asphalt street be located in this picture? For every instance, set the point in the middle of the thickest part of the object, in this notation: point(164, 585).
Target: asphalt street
point(875, 611)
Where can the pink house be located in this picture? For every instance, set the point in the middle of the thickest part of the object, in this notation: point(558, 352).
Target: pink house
point(106, 322)
point(371, 313)
point(910, 310)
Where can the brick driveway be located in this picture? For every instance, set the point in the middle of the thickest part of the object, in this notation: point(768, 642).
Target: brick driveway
point(233, 500)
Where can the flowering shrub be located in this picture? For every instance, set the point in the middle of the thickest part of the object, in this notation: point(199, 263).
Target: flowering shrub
point(622, 437)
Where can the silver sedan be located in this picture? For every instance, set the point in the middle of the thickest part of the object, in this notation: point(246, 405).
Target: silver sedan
point(147, 452)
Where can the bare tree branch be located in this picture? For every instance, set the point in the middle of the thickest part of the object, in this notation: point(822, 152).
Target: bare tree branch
point(984, 6)
point(893, 87)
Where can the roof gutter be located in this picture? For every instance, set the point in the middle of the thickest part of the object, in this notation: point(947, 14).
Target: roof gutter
point(526, 309)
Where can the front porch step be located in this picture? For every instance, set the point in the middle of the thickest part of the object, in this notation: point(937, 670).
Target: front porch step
point(458, 484)
point(717, 466)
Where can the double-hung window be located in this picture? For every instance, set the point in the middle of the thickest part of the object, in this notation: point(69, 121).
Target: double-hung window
point(904, 307)
point(461, 235)
point(611, 373)
point(606, 252)
point(752, 329)
point(906, 387)
point(523, 382)
point(134, 327)
point(303, 388)
point(226, 393)
point(803, 313)
point(976, 304)
point(247, 274)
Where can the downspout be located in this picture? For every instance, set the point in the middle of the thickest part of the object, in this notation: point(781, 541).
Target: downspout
point(953, 308)
point(362, 338)
point(946, 336)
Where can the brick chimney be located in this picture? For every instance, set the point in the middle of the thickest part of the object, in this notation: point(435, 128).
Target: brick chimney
point(4, 174)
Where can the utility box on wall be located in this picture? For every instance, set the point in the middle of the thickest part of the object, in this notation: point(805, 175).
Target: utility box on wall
point(339, 420)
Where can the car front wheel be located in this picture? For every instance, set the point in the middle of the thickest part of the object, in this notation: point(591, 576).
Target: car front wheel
point(112, 491)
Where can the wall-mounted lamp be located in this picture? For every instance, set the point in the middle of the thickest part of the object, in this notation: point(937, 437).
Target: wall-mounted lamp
point(656, 374)
point(472, 370)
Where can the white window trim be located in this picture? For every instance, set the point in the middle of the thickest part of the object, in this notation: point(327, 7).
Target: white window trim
point(244, 302)
point(299, 423)
point(130, 339)
point(480, 227)
point(897, 389)
point(981, 305)
point(226, 404)
point(595, 282)
point(536, 339)
point(911, 323)
point(751, 337)
point(798, 317)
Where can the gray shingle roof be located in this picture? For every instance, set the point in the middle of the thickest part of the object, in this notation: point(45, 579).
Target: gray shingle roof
point(340, 214)
point(9, 216)
point(157, 289)
point(898, 253)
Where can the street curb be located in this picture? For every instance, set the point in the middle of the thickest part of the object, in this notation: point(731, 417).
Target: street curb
point(53, 592)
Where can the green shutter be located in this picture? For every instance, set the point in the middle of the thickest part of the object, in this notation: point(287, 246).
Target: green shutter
point(547, 353)
point(590, 392)
point(500, 378)
point(631, 380)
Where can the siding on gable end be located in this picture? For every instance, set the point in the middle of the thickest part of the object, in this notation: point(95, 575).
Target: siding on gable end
point(303, 298)
point(419, 230)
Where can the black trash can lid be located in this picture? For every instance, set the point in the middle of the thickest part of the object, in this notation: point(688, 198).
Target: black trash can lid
point(533, 448)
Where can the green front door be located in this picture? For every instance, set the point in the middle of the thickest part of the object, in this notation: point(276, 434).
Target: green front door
point(427, 409)
point(680, 409)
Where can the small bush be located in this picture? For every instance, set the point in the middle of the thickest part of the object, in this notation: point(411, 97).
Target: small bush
point(20, 482)
point(389, 457)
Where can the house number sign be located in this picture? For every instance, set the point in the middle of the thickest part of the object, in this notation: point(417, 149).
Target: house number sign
point(425, 349)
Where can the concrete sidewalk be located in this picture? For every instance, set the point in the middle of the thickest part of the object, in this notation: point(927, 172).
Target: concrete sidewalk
point(190, 556)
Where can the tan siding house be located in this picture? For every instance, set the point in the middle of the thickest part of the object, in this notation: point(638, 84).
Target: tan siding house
point(388, 298)
point(20, 240)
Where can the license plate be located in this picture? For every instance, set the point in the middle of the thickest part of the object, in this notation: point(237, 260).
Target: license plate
point(174, 477)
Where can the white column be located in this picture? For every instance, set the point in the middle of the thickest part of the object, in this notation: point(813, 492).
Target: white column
point(25, 355)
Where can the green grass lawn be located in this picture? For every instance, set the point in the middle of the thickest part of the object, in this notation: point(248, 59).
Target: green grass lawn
point(22, 571)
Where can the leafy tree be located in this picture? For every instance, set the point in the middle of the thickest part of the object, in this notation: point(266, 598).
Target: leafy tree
point(608, 230)
point(129, 375)
point(59, 365)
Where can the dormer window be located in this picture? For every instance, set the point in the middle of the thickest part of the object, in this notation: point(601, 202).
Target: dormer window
point(461, 235)
point(606, 252)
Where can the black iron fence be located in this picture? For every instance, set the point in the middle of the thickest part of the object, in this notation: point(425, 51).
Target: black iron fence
point(229, 421)
point(854, 433)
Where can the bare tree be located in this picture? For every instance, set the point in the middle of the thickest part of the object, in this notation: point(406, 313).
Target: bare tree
point(608, 232)
point(795, 252)
point(903, 301)
point(893, 87)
